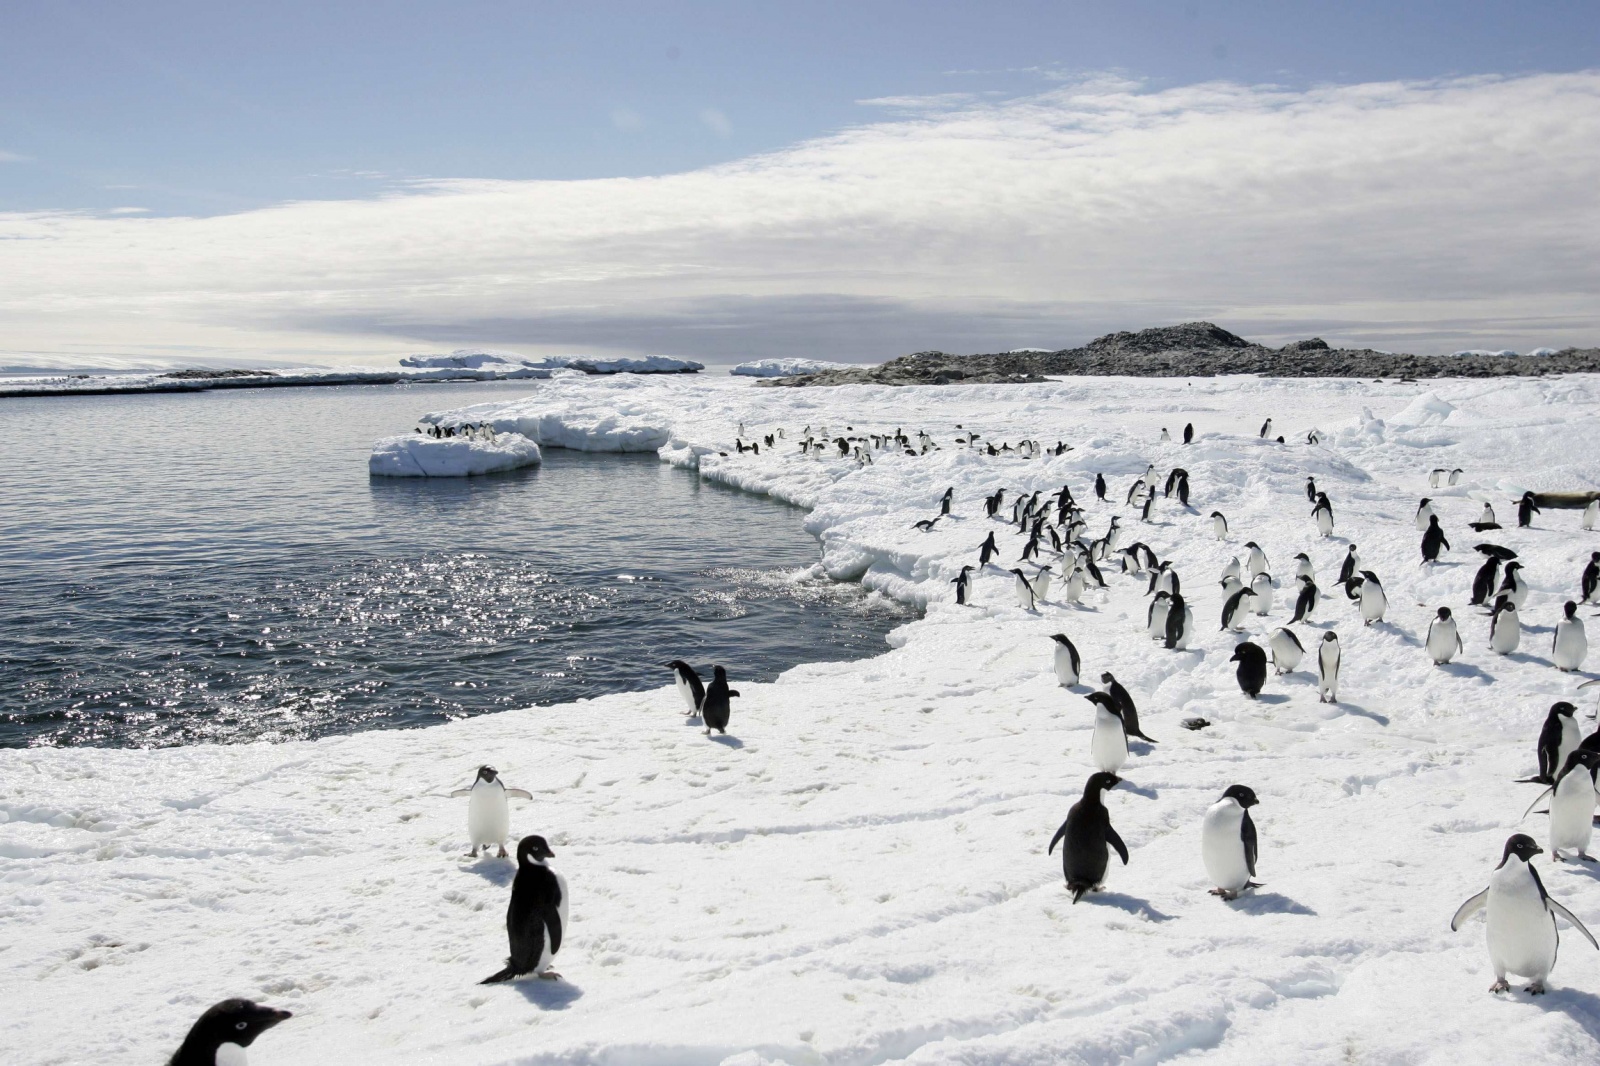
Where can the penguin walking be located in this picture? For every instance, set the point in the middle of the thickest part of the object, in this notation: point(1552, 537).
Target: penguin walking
point(1522, 934)
point(1108, 744)
point(1261, 593)
point(1433, 540)
point(1252, 668)
point(1067, 663)
point(1505, 628)
point(1526, 509)
point(1125, 707)
point(1328, 668)
point(1444, 638)
point(1266, 430)
point(717, 708)
point(1558, 738)
point(1219, 525)
point(1024, 590)
point(1373, 600)
point(1286, 650)
point(1424, 512)
point(1180, 624)
point(1087, 837)
point(1572, 802)
point(1305, 601)
point(1228, 844)
point(1188, 433)
point(1590, 579)
point(987, 550)
point(962, 583)
point(1436, 477)
point(690, 687)
point(536, 918)
point(1323, 514)
point(1591, 515)
point(1256, 561)
point(1570, 645)
point(489, 810)
point(221, 1034)
point(1236, 609)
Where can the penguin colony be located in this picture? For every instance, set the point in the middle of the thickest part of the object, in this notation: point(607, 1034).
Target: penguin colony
point(1522, 932)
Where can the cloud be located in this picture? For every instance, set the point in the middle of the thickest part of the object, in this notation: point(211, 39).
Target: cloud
point(716, 122)
point(1421, 216)
point(13, 157)
point(130, 211)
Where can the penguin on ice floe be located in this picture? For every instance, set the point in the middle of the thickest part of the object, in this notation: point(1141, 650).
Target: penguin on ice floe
point(1088, 837)
point(1228, 844)
point(1522, 918)
point(223, 1032)
point(1266, 429)
point(536, 918)
point(1067, 664)
point(1444, 639)
point(488, 810)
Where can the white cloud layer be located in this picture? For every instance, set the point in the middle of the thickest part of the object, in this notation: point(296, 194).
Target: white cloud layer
point(1425, 217)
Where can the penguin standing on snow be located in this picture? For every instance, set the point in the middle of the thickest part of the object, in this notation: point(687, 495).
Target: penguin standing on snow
point(1088, 837)
point(1024, 590)
point(1424, 512)
point(1526, 509)
point(1155, 619)
point(1351, 565)
point(1306, 601)
point(1228, 842)
point(944, 501)
point(1180, 624)
point(488, 812)
point(1483, 581)
point(223, 1032)
point(690, 687)
point(1108, 744)
point(1261, 592)
point(1067, 663)
point(1514, 586)
point(1570, 645)
point(716, 710)
point(1323, 514)
point(1591, 515)
point(1591, 577)
point(1373, 600)
point(537, 916)
point(1041, 584)
point(1100, 486)
point(1188, 433)
point(1125, 708)
point(1256, 561)
point(961, 582)
point(1166, 437)
point(1444, 639)
point(1572, 800)
point(1303, 567)
point(1328, 668)
point(987, 550)
point(1505, 628)
point(1252, 669)
point(1433, 540)
point(1219, 525)
point(1286, 650)
point(1522, 918)
point(1558, 738)
point(1266, 429)
point(1311, 490)
point(1235, 611)
point(1486, 519)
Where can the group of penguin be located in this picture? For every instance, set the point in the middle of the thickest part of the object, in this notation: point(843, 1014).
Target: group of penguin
point(470, 431)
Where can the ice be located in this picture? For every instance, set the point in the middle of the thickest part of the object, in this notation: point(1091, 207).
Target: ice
point(858, 873)
point(510, 364)
point(417, 455)
point(787, 368)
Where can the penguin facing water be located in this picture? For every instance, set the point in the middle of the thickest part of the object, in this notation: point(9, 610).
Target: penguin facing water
point(1521, 931)
point(488, 810)
point(536, 918)
point(1088, 838)
point(717, 707)
point(1067, 664)
point(1444, 639)
point(221, 1034)
point(1228, 845)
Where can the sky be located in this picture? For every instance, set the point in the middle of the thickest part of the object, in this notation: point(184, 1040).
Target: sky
point(300, 182)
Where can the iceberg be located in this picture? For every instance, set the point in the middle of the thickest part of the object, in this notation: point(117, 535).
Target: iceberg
point(419, 455)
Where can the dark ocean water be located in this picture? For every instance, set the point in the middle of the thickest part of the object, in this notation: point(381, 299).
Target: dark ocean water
point(219, 567)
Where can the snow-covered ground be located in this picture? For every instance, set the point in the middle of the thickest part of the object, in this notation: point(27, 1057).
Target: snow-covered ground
point(857, 873)
point(415, 455)
point(787, 368)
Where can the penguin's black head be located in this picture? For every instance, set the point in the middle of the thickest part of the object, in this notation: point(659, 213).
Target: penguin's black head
point(1424, 503)
point(1570, 608)
point(1433, 520)
point(1594, 557)
point(1244, 794)
point(1100, 782)
point(1245, 651)
point(1444, 614)
point(1103, 699)
point(487, 773)
point(1251, 544)
point(719, 673)
point(533, 847)
point(1106, 678)
point(1522, 846)
point(233, 1021)
point(1060, 638)
point(1330, 635)
point(1563, 708)
point(1216, 514)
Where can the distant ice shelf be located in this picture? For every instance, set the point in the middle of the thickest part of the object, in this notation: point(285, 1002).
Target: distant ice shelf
point(787, 368)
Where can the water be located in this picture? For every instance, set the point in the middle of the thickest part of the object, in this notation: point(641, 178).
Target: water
point(219, 567)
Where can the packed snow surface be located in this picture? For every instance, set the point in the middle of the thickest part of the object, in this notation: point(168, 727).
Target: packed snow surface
point(416, 455)
point(787, 368)
point(857, 872)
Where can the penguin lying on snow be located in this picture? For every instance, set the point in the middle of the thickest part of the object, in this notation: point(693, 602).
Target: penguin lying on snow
point(1522, 918)
point(1087, 832)
point(1228, 843)
point(488, 813)
point(225, 1029)
point(537, 915)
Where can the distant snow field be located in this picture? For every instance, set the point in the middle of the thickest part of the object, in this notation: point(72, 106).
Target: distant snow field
point(857, 873)
point(787, 368)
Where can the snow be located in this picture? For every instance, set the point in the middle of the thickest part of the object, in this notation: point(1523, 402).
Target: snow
point(415, 455)
point(510, 364)
point(857, 874)
point(1506, 352)
point(1542, 352)
point(788, 368)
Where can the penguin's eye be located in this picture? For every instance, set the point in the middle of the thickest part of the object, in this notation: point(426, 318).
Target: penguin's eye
point(240, 1025)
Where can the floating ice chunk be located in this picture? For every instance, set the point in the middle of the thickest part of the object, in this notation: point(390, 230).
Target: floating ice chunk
point(416, 455)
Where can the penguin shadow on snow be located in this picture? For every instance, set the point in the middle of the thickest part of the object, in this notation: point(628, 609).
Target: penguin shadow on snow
point(1138, 790)
point(1361, 712)
point(498, 872)
point(727, 741)
point(549, 995)
point(1466, 670)
point(1524, 657)
point(1273, 697)
point(1581, 1007)
point(1269, 903)
point(1139, 908)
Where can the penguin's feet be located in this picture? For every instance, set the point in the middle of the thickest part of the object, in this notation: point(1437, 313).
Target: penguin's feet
point(706, 731)
point(1585, 857)
point(1535, 988)
point(473, 854)
point(503, 851)
point(1225, 894)
point(549, 975)
point(1501, 985)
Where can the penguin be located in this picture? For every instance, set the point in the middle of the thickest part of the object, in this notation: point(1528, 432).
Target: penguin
point(1311, 490)
point(1505, 628)
point(1522, 934)
point(1261, 592)
point(1125, 707)
point(987, 550)
point(715, 709)
point(1328, 668)
point(1455, 476)
point(1303, 567)
point(1373, 600)
point(1286, 650)
point(1188, 433)
point(488, 812)
point(944, 501)
point(1486, 516)
point(1252, 668)
point(1155, 619)
point(536, 918)
point(1228, 844)
point(1424, 512)
point(1256, 561)
point(1591, 577)
point(1234, 611)
point(1514, 586)
point(926, 525)
point(1444, 639)
point(1483, 581)
point(991, 504)
point(1351, 565)
point(1108, 745)
point(221, 1034)
point(690, 687)
point(1231, 571)
point(1436, 477)
point(1323, 513)
point(1024, 590)
point(1183, 487)
point(1572, 801)
point(961, 582)
point(1570, 644)
point(1041, 584)
point(1067, 663)
point(1219, 525)
point(1100, 486)
point(1526, 509)
point(1149, 506)
point(1165, 436)
point(1266, 429)
point(1591, 515)
point(1074, 587)
point(1433, 540)
point(1180, 624)
point(1558, 738)
point(1086, 833)
point(1306, 601)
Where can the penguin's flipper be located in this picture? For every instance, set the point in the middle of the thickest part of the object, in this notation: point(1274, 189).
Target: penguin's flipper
point(1572, 920)
point(1468, 909)
point(500, 978)
point(1116, 842)
point(1141, 736)
point(1536, 779)
point(733, 692)
point(1537, 801)
point(519, 793)
point(552, 923)
point(1053, 840)
point(1247, 834)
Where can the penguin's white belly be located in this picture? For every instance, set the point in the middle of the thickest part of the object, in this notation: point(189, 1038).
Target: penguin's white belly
point(231, 1054)
point(1442, 641)
point(547, 957)
point(1041, 585)
point(1220, 528)
point(1024, 595)
point(1422, 517)
point(1222, 847)
point(1286, 653)
point(1572, 812)
point(488, 815)
point(1158, 621)
point(1571, 737)
point(1075, 587)
point(1571, 645)
point(1373, 604)
point(1328, 681)
point(1591, 515)
point(1519, 593)
point(1064, 671)
point(1324, 523)
point(1109, 745)
point(1522, 933)
point(1506, 635)
point(688, 695)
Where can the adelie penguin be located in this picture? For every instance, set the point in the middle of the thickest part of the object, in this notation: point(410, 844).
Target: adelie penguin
point(1125, 707)
point(1311, 490)
point(1433, 540)
point(1228, 844)
point(1373, 601)
point(1252, 669)
point(1255, 561)
point(1328, 668)
point(1444, 638)
point(1155, 619)
point(1483, 581)
point(1067, 664)
point(1219, 525)
point(1558, 738)
point(1351, 565)
point(1505, 627)
point(987, 550)
point(1266, 429)
point(1323, 515)
point(1424, 512)
point(1180, 624)
point(1570, 645)
point(717, 708)
point(222, 1033)
point(1024, 590)
point(536, 919)
point(1305, 601)
point(1108, 744)
point(1526, 509)
point(944, 501)
point(1514, 586)
point(1088, 838)
point(1100, 486)
point(1522, 935)
point(1188, 433)
point(961, 581)
point(690, 687)
point(1286, 650)
point(488, 810)
point(1236, 610)
point(1261, 593)
point(1572, 800)
point(1591, 578)
point(1591, 515)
